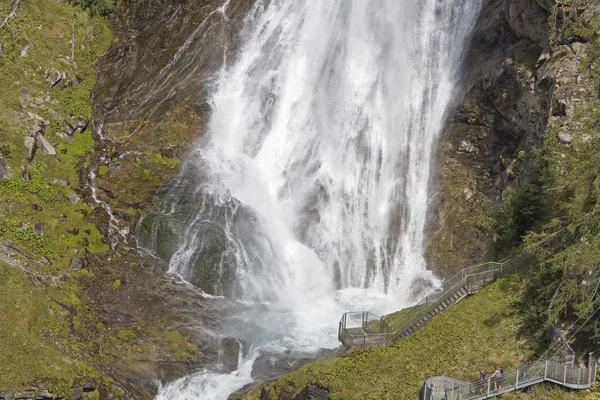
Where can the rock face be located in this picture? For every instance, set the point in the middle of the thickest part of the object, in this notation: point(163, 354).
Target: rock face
point(516, 83)
point(172, 93)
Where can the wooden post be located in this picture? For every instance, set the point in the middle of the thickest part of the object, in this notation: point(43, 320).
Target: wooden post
point(546, 370)
point(578, 375)
point(517, 381)
point(565, 376)
point(489, 382)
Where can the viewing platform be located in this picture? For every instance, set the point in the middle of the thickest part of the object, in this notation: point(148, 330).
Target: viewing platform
point(365, 329)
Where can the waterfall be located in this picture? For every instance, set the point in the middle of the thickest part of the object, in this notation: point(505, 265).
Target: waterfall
point(309, 191)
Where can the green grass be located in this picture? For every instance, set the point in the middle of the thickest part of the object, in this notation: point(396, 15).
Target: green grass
point(46, 25)
point(398, 319)
point(27, 330)
point(479, 332)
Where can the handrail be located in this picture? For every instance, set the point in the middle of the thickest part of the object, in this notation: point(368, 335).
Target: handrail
point(469, 280)
point(559, 370)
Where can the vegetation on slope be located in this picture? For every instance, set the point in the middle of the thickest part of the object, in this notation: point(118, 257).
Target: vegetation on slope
point(478, 332)
point(566, 196)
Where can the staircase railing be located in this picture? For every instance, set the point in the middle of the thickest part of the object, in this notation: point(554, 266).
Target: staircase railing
point(469, 280)
point(557, 370)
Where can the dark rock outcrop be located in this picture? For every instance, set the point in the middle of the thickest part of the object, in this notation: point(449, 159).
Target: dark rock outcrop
point(512, 89)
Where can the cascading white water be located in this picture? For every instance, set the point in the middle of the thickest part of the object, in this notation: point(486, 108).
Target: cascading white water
point(324, 129)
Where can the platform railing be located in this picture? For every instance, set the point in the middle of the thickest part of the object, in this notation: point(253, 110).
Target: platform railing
point(559, 370)
point(468, 280)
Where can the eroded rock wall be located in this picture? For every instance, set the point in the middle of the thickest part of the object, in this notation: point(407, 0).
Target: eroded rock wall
point(521, 76)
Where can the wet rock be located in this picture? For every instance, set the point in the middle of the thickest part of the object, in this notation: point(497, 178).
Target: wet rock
point(73, 198)
point(45, 146)
point(38, 228)
point(25, 50)
point(26, 176)
point(29, 143)
point(4, 170)
point(76, 264)
point(85, 242)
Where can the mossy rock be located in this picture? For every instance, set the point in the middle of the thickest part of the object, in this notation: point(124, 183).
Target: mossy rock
point(160, 234)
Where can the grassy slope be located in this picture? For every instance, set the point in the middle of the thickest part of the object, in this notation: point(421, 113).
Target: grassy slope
point(43, 326)
point(46, 26)
point(478, 332)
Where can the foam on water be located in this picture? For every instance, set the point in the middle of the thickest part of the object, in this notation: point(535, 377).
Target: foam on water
point(323, 130)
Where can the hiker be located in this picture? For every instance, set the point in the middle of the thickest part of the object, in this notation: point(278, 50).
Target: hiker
point(481, 379)
point(499, 375)
point(431, 390)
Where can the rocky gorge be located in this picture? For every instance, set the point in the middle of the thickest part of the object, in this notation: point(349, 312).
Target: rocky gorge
point(98, 115)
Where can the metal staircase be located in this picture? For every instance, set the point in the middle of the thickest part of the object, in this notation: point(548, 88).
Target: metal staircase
point(365, 329)
point(561, 371)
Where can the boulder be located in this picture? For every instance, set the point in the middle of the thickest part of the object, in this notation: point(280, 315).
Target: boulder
point(87, 388)
point(565, 137)
point(25, 50)
point(77, 393)
point(4, 170)
point(44, 394)
point(73, 198)
point(60, 182)
point(76, 264)
point(38, 228)
point(29, 143)
point(69, 127)
point(64, 136)
point(34, 116)
point(54, 77)
point(37, 128)
point(5, 394)
point(45, 146)
point(24, 101)
point(82, 123)
point(52, 113)
point(74, 81)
